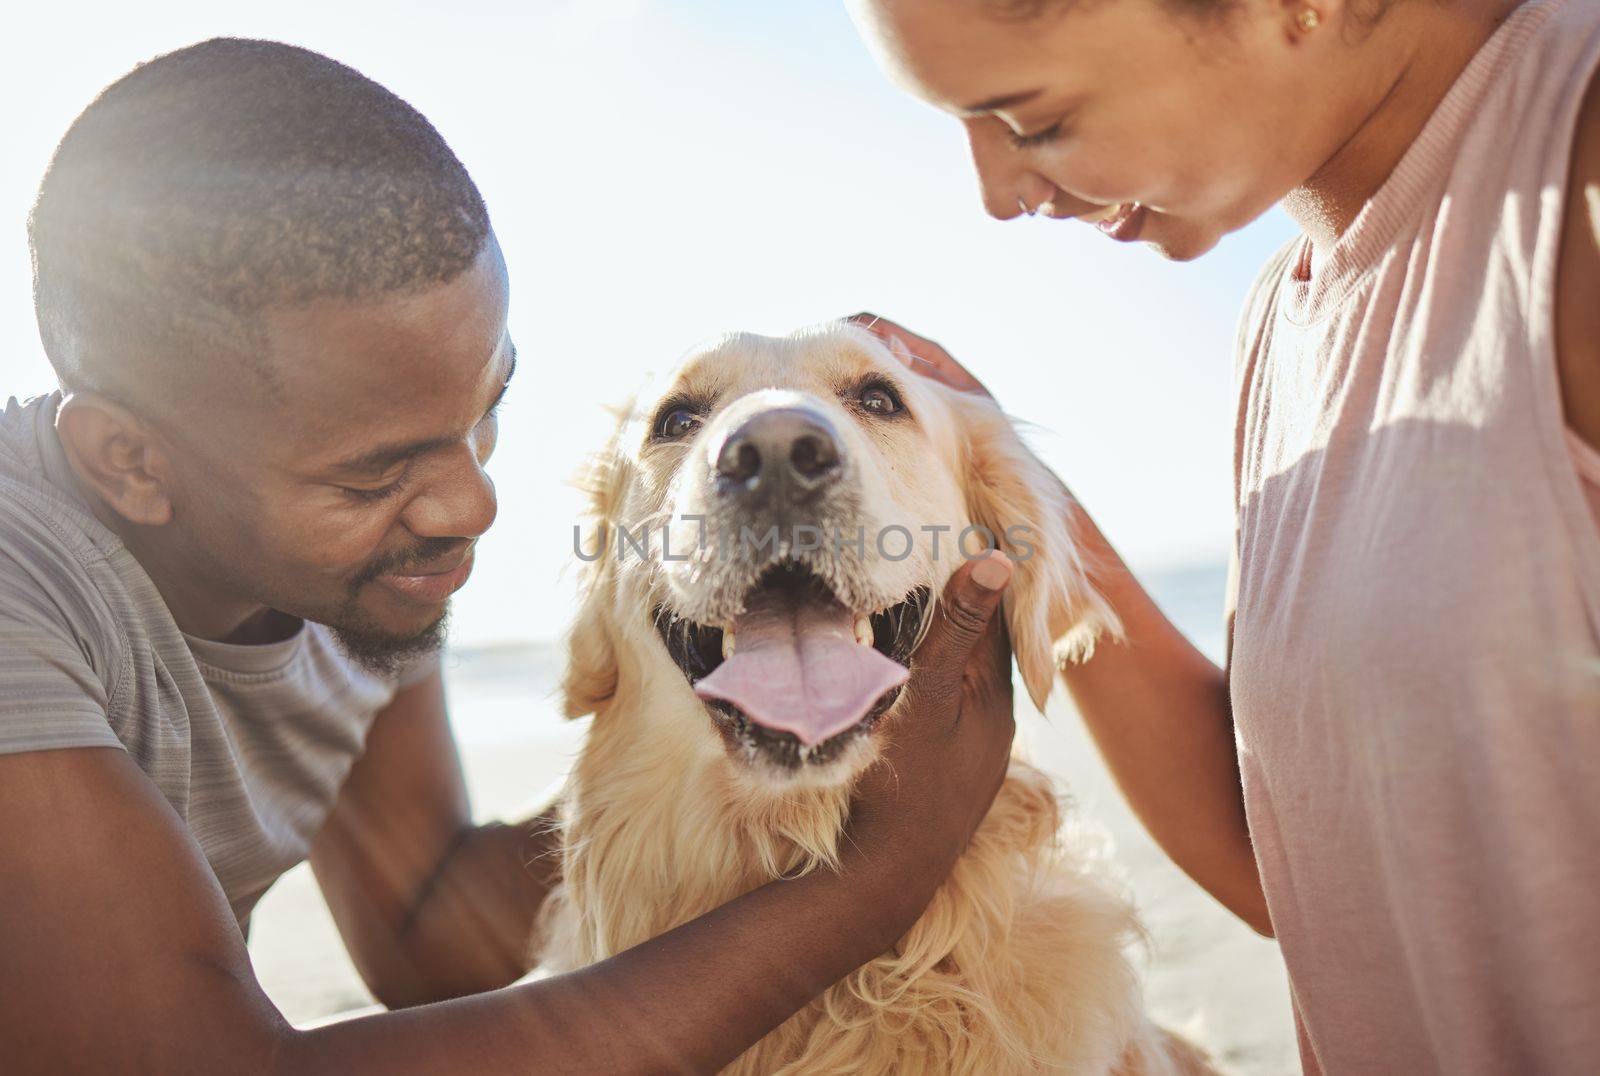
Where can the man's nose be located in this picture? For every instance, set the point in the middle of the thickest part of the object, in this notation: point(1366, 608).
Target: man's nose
point(786, 455)
point(458, 504)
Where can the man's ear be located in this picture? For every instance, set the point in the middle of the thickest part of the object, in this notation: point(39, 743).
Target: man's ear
point(590, 680)
point(116, 455)
point(1053, 611)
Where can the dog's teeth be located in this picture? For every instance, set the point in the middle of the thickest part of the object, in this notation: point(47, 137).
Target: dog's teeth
point(864, 630)
point(727, 643)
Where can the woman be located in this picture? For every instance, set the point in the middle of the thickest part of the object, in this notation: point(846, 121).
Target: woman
point(1398, 774)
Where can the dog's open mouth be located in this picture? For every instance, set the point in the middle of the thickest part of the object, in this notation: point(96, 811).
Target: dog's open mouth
point(798, 675)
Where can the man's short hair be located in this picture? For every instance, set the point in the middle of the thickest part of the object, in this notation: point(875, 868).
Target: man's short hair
point(224, 179)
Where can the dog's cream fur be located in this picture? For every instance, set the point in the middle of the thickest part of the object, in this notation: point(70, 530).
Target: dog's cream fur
point(1019, 963)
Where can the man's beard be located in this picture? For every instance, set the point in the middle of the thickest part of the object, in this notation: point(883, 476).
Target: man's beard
point(381, 652)
point(384, 654)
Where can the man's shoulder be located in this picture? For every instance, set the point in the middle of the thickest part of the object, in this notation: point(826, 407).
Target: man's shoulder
point(62, 652)
point(58, 591)
point(35, 524)
point(33, 507)
point(44, 543)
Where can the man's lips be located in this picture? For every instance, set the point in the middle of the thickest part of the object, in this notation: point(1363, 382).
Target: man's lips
point(431, 585)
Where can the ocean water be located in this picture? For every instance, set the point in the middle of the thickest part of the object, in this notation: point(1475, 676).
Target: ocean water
point(1192, 598)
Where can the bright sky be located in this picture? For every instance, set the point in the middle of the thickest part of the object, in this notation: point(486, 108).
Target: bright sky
point(659, 173)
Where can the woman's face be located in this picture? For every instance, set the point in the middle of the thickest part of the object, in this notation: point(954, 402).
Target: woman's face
point(1203, 118)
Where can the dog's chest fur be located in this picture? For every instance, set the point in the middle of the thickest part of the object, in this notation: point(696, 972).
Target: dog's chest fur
point(1016, 966)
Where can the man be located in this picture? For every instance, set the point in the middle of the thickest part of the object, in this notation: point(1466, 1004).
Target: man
point(227, 545)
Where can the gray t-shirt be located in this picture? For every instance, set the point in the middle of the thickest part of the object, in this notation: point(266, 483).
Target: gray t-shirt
point(249, 744)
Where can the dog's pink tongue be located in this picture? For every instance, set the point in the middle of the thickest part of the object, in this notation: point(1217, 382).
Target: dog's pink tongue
point(797, 667)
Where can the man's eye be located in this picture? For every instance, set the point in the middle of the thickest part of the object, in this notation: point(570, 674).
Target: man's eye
point(880, 400)
point(378, 493)
point(676, 423)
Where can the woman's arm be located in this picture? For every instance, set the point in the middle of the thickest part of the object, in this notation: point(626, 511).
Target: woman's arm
point(1578, 278)
point(1159, 711)
point(1157, 708)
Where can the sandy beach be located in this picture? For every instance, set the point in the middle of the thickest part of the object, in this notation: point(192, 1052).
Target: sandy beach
point(1208, 974)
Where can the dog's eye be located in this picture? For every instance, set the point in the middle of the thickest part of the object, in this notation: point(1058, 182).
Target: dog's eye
point(880, 399)
point(677, 422)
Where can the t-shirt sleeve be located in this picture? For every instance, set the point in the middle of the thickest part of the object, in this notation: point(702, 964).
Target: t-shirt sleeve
point(51, 695)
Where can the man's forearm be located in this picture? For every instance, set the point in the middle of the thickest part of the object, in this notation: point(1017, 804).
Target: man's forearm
point(690, 1000)
point(472, 926)
point(1160, 713)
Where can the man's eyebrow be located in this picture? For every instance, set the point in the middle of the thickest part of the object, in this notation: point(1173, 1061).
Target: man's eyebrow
point(995, 104)
point(381, 459)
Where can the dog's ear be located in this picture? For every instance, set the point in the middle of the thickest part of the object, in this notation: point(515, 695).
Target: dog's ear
point(1052, 609)
point(590, 679)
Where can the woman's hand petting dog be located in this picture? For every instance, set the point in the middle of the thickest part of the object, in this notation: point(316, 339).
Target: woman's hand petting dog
point(949, 741)
point(920, 354)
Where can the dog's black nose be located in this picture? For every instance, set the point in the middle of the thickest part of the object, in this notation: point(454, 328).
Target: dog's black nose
point(785, 451)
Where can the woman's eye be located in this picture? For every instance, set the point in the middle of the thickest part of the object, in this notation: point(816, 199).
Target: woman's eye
point(676, 423)
point(1037, 138)
point(879, 400)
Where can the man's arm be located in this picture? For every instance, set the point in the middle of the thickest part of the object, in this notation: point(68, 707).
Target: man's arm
point(429, 905)
point(121, 952)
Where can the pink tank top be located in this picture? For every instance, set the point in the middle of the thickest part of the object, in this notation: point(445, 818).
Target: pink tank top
point(1415, 659)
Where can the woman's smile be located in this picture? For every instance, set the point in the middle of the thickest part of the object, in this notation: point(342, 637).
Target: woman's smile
point(1122, 221)
point(1125, 223)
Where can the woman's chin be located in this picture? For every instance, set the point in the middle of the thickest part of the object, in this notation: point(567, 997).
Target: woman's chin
point(1181, 253)
point(1178, 239)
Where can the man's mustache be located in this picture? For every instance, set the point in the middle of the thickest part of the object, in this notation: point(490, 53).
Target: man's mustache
point(427, 551)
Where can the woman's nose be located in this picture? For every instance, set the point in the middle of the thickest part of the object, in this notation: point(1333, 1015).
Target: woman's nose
point(1008, 187)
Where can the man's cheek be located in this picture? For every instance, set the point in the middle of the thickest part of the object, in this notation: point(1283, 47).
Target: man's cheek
point(336, 547)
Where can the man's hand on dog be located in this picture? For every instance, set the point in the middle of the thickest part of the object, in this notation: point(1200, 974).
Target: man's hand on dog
point(949, 735)
point(950, 740)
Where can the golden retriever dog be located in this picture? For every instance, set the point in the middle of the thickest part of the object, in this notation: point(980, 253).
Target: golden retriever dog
point(767, 531)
